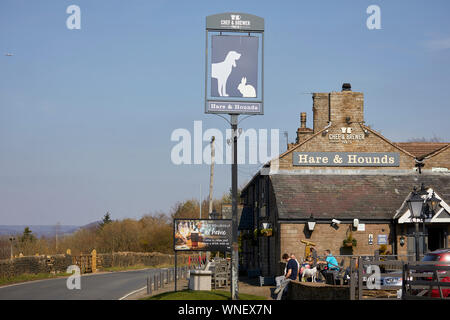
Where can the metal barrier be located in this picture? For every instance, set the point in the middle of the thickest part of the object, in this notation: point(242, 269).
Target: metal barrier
point(166, 276)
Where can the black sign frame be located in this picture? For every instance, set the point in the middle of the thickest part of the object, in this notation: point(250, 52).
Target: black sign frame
point(206, 249)
point(251, 24)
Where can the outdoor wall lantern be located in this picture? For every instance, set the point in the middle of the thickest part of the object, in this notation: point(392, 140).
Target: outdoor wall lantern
point(433, 203)
point(311, 223)
point(266, 225)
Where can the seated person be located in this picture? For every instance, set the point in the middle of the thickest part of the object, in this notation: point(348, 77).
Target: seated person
point(290, 273)
point(331, 264)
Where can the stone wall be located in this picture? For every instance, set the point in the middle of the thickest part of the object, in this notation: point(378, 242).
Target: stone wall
point(126, 259)
point(34, 265)
point(60, 263)
point(317, 291)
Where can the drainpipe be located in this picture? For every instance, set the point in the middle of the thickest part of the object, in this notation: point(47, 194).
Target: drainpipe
point(327, 126)
point(329, 107)
point(394, 242)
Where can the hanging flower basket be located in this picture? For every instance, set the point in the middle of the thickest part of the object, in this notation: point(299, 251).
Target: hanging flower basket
point(266, 232)
point(349, 243)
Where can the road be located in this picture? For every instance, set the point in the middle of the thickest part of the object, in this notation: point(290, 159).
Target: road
point(102, 286)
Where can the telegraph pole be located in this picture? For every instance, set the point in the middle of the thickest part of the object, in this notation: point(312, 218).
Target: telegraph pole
point(11, 240)
point(200, 202)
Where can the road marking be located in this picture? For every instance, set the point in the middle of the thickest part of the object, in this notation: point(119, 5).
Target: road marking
point(132, 292)
point(101, 273)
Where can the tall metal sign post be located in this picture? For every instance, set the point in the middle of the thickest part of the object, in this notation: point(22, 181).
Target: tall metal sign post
point(234, 85)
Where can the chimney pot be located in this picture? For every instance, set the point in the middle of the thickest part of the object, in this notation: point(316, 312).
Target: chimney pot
point(303, 120)
point(346, 87)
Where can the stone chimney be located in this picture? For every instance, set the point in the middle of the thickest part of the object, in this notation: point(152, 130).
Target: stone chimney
point(341, 108)
point(303, 132)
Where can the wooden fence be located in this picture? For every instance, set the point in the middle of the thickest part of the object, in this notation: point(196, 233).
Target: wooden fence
point(426, 280)
point(84, 262)
point(412, 280)
point(373, 286)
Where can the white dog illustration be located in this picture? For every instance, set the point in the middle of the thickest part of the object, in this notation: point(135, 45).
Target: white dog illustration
point(247, 90)
point(221, 71)
point(309, 273)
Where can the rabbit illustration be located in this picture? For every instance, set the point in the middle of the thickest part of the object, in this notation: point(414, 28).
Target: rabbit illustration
point(247, 90)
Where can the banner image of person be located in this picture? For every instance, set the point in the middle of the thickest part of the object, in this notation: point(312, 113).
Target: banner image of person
point(234, 66)
point(202, 235)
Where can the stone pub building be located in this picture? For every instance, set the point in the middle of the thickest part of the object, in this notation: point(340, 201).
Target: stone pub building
point(349, 180)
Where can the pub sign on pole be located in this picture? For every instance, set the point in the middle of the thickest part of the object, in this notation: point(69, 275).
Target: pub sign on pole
point(234, 66)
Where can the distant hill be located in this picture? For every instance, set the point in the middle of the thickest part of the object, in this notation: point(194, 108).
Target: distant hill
point(44, 230)
point(91, 225)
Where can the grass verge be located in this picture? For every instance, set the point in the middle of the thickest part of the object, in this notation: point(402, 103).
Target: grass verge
point(30, 277)
point(202, 295)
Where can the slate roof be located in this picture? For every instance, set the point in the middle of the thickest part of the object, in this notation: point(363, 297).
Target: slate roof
point(421, 149)
point(349, 196)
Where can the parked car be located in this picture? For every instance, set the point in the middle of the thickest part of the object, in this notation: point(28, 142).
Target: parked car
point(439, 255)
point(393, 280)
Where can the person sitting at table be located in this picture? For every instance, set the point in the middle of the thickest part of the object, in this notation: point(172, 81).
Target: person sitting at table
point(331, 263)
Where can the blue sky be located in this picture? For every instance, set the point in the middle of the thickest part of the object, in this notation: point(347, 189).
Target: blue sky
point(86, 115)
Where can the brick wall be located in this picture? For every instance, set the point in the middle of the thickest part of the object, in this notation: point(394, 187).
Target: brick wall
point(320, 111)
point(337, 107)
point(402, 231)
point(327, 237)
point(440, 160)
point(370, 143)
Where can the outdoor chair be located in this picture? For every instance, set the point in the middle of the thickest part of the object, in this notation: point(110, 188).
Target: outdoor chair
point(339, 275)
point(221, 274)
point(330, 277)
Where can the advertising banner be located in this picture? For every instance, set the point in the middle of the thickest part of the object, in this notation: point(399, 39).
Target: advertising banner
point(234, 66)
point(202, 235)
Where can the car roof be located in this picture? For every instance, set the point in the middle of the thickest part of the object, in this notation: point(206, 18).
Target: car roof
point(439, 251)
